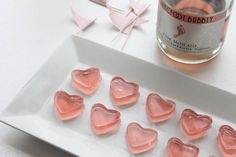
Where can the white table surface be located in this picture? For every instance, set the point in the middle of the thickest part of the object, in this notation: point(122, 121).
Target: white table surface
point(31, 29)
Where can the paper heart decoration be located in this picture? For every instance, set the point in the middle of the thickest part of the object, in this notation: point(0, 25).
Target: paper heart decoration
point(82, 22)
point(227, 141)
point(125, 23)
point(104, 120)
point(176, 148)
point(122, 92)
point(138, 7)
point(121, 22)
point(194, 125)
point(140, 139)
point(68, 106)
point(159, 109)
point(86, 81)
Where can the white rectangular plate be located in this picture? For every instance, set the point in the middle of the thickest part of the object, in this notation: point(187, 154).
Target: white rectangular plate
point(32, 110)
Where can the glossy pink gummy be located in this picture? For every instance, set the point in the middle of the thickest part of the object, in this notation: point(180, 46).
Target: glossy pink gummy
point(227, 141)
point(139, 139)
point(159, 109)
point(176, 148)
point(68, 106)
point(122, 92)
point(86, 81)
point(104, 120)
point(194, 125)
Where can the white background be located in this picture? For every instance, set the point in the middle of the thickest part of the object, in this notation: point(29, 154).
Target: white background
point(31, 29)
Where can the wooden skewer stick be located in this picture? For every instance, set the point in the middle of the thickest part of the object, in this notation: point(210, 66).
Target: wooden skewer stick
point(126, 39)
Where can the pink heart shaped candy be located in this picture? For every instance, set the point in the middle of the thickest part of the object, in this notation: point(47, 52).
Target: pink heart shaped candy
point(176, 148)
point(227, 141)
point(86, 81)
point(104, 120)
point(139, 139)
point(194, 125)
point(122, 92)
point(159, 109)
point(68, 106)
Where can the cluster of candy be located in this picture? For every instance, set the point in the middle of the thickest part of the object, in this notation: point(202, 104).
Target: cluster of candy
point(139, 139)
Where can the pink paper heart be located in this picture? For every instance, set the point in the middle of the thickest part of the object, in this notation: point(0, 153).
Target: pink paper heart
point(68, 106)
point(125, 23)
point(158, 109)
point(176, 148)
point(104, 120)
point(194, 125)
point(121, 21)
point(82, 22)
point(139, 8)
point(140, 139)
point(86, 81)
point(122, 92)
point(227, 141)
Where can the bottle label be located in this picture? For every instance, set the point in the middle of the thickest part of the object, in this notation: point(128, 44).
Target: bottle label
point(187, 32)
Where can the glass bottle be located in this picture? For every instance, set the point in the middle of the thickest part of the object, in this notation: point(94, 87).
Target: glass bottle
point(192, 31)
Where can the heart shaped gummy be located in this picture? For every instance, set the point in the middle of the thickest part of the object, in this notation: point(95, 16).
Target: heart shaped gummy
point(86, 81)
point(227, 141)
point(68, 106)
point(104, 120)
point(194, 125)
point(140, 139)
point(159, 109)
point(176, 148)
point(122, 92)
